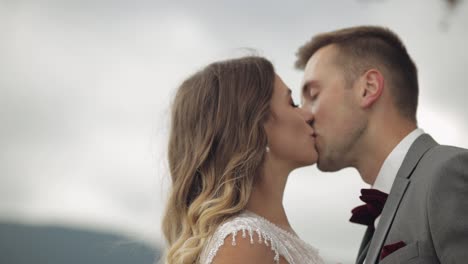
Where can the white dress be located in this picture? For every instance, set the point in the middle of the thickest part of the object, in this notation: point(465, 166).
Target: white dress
point(257, 229)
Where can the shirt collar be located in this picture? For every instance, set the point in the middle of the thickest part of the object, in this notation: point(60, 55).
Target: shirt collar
point(392, 163)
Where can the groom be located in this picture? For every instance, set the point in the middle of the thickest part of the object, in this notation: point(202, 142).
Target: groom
point(362, 87)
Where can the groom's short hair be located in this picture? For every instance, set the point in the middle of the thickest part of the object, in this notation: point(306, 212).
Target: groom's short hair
point(364, 47)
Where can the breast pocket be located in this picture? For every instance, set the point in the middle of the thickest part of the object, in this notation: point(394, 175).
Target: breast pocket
point(406, 254)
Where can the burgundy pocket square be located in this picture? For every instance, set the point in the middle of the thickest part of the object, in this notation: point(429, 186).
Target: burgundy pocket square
point(389, 249)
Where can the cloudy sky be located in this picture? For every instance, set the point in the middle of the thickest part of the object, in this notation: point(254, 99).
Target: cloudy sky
point(85, 90)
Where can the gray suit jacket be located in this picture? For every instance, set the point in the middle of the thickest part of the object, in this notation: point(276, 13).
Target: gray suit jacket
point(427, 208)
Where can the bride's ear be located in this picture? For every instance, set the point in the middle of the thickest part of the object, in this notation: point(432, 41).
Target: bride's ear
point(371, 89)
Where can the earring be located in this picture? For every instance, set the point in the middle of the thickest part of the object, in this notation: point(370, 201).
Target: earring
point(267, 149)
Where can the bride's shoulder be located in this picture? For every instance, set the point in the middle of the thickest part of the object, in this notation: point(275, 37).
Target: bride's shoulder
point(250, 238)
point(242, 239)
point(244, 251)
point(246, 222)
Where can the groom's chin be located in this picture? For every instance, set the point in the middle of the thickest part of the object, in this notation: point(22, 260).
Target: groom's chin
point(327, 166)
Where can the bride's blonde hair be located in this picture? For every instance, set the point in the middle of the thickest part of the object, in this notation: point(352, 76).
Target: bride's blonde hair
point(216, 148)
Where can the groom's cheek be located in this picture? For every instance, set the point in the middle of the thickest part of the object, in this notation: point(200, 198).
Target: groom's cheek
point(307, 106)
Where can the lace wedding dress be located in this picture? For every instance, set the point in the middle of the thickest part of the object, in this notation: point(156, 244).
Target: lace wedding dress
point(257, 229)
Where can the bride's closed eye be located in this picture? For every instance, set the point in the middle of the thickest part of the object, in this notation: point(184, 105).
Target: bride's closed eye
point(293, 104)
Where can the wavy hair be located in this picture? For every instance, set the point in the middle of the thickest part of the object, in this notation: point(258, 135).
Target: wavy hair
point(216, 149)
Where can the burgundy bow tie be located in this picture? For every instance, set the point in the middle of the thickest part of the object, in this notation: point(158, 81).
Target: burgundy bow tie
point(367, 213)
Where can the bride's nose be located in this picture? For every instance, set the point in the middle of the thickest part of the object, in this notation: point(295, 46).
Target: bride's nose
point(308, 116)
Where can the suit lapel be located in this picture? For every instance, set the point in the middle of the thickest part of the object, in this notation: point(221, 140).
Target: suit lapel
point(364, 245)
point(414, 155)
point(388, 213)
point(360, 259)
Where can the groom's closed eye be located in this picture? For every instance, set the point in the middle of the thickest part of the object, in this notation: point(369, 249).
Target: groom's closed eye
point(313, 94)
point(309, 87)
point(310, 98)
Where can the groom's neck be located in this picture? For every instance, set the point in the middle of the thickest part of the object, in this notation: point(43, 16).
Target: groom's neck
point(382, 137)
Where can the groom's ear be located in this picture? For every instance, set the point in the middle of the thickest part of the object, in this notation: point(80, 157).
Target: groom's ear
point(372, 86)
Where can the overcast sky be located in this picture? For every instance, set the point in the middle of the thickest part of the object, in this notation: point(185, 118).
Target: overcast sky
point(85, 89)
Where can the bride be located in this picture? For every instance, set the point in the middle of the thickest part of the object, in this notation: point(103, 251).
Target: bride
point(235, 136)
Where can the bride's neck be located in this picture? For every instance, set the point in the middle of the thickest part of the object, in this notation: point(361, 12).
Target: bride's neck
point(266, 198)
